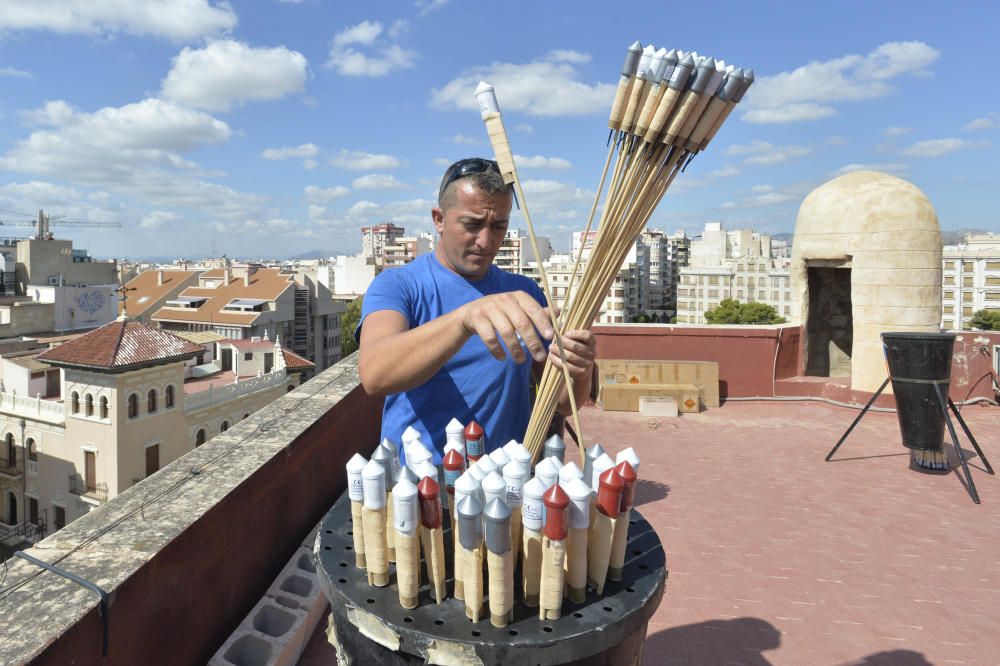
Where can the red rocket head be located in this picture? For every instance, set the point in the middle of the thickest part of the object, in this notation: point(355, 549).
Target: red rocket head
point(628, 477)
point(609, 493)
point(473, 431)
point(556, 501)
point(453, 461)
point(429, 493)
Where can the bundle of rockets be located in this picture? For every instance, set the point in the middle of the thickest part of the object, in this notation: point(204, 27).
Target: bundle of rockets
point(567, 526)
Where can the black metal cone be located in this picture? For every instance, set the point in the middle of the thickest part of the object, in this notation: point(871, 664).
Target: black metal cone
point(918, 363)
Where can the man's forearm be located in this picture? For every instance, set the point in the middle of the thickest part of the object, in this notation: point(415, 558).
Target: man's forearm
point(581, 393)
point(406, 360)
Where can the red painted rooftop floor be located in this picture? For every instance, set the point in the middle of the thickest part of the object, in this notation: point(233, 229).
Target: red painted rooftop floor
point(777, 557)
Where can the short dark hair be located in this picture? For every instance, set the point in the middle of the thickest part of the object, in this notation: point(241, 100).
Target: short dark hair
point(488, 180)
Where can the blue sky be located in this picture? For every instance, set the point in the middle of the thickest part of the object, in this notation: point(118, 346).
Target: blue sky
point(277, 127)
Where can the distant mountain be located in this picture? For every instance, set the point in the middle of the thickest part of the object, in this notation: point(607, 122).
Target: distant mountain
point(956, 236)
point(315, 254)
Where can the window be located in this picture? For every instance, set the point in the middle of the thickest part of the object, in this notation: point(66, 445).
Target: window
point(968, 266)
point(246, 416)
point(224, 426)
point(133, 405)
point(950, 280)
point(60, 521)
point(11, 451)
point(74, 403)
point(199, 438)
point(967, 297)
point(248, 356)
point(993, 265)
point(90, 470)
point(948, 324)
point(949, 294)
point(967, 281)
point(32, 450)
point(104, 407)
point(151, 401)
point(168, 397)
point(88, 405)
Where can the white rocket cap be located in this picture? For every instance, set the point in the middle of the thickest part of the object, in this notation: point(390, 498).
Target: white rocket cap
point(515, 475)
point(579, 507)
point(406, 515)
point(547, 472)
point(409, 435)
point(466, 486)
point(500, 457)
point(373, 478)
point(416, 452)
point(426, 468)
point(494, 487)
point(487, 464)
point(532, 510)
point(510, 447)
point(601, 465)
point(629, 455)
point(454, 433)
point(355, 484)
point(569, 471)
point(522, 455)
point(477, 472)
point(487, 99)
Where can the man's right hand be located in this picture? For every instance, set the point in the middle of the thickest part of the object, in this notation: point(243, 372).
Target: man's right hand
point(506, 317)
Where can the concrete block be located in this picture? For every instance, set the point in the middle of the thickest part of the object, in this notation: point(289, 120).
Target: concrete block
point(661, 407)
point(298, 584)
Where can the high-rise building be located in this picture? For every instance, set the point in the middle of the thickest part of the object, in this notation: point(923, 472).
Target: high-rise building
point(516, 251)
point(970, 279)
point(376, 238)
point(732, 264)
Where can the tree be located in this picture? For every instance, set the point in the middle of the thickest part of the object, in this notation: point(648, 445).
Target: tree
point(348, 322)
point(731, 311)
point(986, 320)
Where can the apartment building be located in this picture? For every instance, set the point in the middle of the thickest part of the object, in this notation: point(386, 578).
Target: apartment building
point(970, 279)
point(620, 304)
point(732, 264)
point(516, 251)
point(247, 301)
point(85, 420)
point(376, 238)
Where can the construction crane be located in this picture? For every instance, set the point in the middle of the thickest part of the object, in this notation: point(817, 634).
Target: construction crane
point(43, 222)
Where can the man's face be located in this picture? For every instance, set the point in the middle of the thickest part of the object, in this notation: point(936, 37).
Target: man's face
point(471, 230)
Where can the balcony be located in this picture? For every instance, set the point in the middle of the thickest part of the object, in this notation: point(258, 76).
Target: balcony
point(37, 409)
point(94, 491)
point(774, 554)
point(214, 393)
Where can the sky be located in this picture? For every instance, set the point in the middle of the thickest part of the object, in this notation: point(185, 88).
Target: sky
point(270, 128)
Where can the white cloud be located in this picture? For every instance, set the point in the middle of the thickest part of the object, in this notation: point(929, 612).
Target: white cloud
point(568, 55)
point(764, 153)
point(759, 189)
point(725, 172)
point(549, 86)
point(227, 73)
point(425, 7)
point(837, 140)
point(464, 140)
point(158, 218)
point(554, 200)
point(397, 28)
point(286, 152)
point(938, 147)
point(524, 128)
point(811, 91)
point(318, 195)
point(50, 114)
point(442, 161)
point(896, 131)
point(540, 162)
point(413, 214)
point(14, 72)
point(347, 60)
point(176, 20)
point(894, 169)
point(378, 181)
point(358, 160)
point(310, 164)
point(989, 121)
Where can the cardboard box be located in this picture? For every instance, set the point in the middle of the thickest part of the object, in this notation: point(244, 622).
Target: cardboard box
point(703, 374)
point(658, 407)
point(625, 397)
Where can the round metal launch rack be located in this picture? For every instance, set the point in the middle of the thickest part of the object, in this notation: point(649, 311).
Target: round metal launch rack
point(370, 627)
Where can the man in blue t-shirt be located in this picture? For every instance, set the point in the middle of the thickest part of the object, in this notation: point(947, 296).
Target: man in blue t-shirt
point(448, 335)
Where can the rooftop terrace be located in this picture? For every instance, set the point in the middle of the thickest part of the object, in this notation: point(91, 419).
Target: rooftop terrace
point(774, 556)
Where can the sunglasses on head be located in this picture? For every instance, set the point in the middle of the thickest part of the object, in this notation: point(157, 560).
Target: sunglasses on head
point(466, 167)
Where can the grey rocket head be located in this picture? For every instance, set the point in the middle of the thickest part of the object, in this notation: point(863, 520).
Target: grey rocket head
point(554, 446)
point(589, 456)
point(679, 79)
point(632, 59)
point(702, 74)
point(470, 522)
point(747, 82)
point(496, 519)
point(383, 457)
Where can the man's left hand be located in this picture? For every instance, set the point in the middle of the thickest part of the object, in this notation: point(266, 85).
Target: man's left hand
point(579, 347)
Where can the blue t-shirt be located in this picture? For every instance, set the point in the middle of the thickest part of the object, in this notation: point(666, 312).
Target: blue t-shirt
point(472, 384)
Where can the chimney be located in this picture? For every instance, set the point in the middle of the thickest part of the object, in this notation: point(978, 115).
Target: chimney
point(246, 279)
point(159, 278)
point(228, 275)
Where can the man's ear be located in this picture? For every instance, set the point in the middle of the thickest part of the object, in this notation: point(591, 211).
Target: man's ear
point(438, 216)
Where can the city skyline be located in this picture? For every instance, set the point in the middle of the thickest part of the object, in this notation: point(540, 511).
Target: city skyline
point(283, 127)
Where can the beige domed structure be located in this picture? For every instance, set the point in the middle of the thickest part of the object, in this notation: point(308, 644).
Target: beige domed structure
point(866, 259)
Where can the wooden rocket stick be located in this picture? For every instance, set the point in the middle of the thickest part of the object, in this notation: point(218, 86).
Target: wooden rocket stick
point(639, 87)
point(747, 77)
point(576, 540)
point(405, 524)
point(356, 492)
point(373, 522)
point(553, 576)
point(609, 499)
point(499, 561)
point(619, 540)
point(625, 84)
point(490, 113)
point(531, 553)
point(470, 535)
point(672, 95)
point(693, 102)
point(432, 535)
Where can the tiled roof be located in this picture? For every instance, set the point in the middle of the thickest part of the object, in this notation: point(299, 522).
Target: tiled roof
point(295, 362)
point(266, 284)
point(121, 345)
point(200, 337)
point(29, 362)
point(149, 292)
